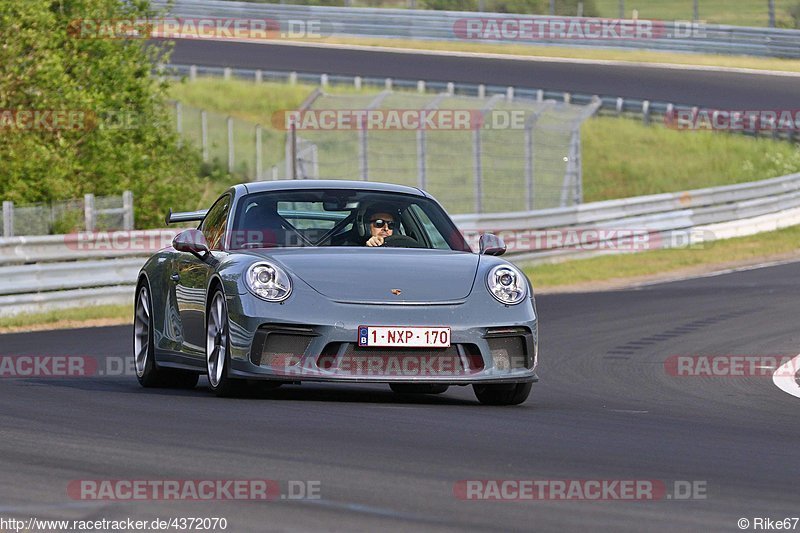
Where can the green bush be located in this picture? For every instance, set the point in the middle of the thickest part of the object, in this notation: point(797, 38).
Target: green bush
point(531, 7)
point(450, 5)
point(123, 137)
point(794, 12)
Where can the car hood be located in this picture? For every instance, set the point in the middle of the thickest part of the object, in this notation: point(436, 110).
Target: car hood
point(369, 275)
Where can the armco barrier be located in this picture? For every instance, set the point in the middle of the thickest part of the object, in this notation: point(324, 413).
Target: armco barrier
point(58, 271)
point(441, 26)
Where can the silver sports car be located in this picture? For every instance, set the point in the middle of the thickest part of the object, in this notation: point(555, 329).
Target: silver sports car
point(335, 281)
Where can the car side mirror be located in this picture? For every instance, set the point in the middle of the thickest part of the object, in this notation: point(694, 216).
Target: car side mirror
point(491, 244)
point(192, 241)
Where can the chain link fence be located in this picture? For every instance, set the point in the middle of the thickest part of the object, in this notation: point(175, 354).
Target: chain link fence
point(92, 213)
point(489, 166)
point(516, 155)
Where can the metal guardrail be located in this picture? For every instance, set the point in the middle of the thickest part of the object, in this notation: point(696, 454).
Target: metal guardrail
point(35, 274)
point(648, 111)
point(444, 26)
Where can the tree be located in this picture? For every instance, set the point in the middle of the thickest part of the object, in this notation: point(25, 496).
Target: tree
point(117, 133)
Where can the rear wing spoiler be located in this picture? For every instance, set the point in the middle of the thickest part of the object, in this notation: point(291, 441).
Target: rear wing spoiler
point(189, 216)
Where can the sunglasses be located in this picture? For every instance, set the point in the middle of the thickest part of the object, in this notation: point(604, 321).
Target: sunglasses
point(379, 223)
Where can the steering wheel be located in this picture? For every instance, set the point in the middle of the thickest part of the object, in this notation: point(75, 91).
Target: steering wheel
point(401, 241)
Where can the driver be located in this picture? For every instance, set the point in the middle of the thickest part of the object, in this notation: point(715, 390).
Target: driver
point(381, 225)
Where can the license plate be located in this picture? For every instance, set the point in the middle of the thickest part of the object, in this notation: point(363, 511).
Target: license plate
point(408, 337)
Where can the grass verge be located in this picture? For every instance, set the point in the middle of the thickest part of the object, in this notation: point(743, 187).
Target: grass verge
point(597, 272)
point(101, 315)
point(605, 54)
point(621, 157)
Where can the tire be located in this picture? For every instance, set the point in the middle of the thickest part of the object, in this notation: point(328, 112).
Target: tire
point(218, 349)
point(148, 372)
point(418, 388)
point(505, 394)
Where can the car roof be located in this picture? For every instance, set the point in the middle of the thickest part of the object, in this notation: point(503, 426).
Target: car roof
point(299, 185)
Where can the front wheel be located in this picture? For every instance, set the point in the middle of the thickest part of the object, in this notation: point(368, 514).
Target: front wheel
point(505, 394)
point(218, 348)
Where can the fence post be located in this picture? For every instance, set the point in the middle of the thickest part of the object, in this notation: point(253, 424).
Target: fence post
point(315, 161)
point(646, 112)
point(357, 83)
point(421, 160)
point(259, 162)
point(323, 80)
point(8, 219)
point(529, 154)
point(127, 206)
point(451, 88)
point(388, 84)
point(481, 91)
point(230, 145)
point(572, 175)
point(204, 134)
point(88, 212)
point(226, 73)
point(293, 153)
point(193, 73)
point(363, 159)
point(420, 86)
point(259, 76)
point(477, 169)
point(293, 78)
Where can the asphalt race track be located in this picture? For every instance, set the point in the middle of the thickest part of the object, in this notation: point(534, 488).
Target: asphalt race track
point(722, 90)
point(605, 409)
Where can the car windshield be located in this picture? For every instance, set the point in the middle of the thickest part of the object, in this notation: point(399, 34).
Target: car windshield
point(337, 217)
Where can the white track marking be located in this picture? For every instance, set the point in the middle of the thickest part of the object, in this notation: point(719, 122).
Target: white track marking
point(489, 55)
point(784, 377)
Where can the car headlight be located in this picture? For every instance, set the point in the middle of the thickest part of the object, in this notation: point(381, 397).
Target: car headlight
point(507, 284)
point(268, 282)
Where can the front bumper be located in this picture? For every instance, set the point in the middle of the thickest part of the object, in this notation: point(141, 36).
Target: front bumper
point(309, 338)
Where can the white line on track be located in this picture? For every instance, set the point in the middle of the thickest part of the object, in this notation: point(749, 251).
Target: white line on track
point(785, 378)
point(489, 55)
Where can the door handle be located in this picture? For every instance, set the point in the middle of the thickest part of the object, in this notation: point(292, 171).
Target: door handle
point(175, 277)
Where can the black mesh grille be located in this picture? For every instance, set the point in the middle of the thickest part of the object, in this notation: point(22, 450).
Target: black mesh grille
point(416, 362)
point(508, 353)
point(280, 347)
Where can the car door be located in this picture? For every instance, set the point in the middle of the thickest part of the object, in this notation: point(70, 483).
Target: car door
point(191, 278)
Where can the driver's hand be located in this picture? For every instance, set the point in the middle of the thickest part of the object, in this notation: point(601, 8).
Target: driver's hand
point(375, 241)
